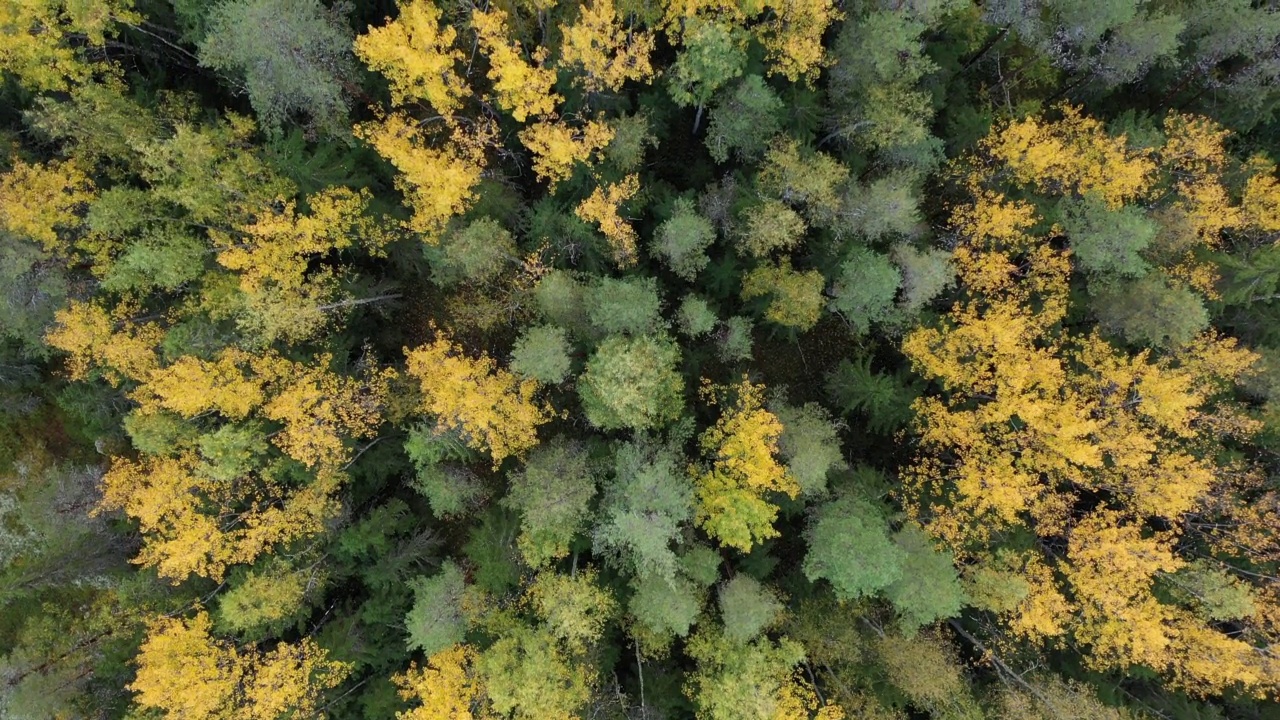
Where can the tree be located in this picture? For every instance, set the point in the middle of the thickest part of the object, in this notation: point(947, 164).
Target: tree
point(491, 407)
point(865, 289)
point(558, 148)
point(792, 37)
point(41, 50)
point(575, 607)
point(646, 502)
point(542, 353)
point(607, 55)
point(740, 470)
point(751, 681)
point(682, 240)
point(38, 201)
point(878, 66)
point(850, 547)
point(663, 609)
point(624, 306)
point(747, 608)
point(416, 53)
point(802, 177)
point(293, 56)
point(631, 382)
point(449, 687)
point(438, 181)
point(711, 55)
point(522, 88)
point(601, 208)
point(743, 120)
point(553, 495)
point(810, 444)
point(476, 253)
point(795, 297)
point(695, 317)
point(185, 673)
point(527, 674)
point(928, 588)
point(436, 621)
point(1150, 311)
point(771, 226)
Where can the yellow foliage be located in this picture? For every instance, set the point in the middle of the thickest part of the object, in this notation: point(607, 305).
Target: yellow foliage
point(94, 337)
point(522, 88)
point(40, 36)
point(742, 447)
point(186, 674)
point(607, 55)
point(1073, 154)
point(277, 248)
point(1261, 203)
point(1195, 153)
point(448, 688)
point(417, 56)
point(192, 523)
point(37, 201)
point(556, 147)
point(438, 181)
point(229, 384)
point(492, 408)
point(792, 37)
point(602, 208)
point(320, 410)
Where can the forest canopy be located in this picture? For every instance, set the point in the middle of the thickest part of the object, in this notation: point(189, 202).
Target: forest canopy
point(540, 360)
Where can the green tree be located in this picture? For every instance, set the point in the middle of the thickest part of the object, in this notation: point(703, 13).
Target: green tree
point(850, 547)
point(713, 53)
point(695, 317)
point(648, 500)
point(291, 56)
point(865, 289)
point(928, 588)
point(1107, 241)
point(810, 443)
point(478, 253)
point(628, 305)
point(681, 241)
point(743, 120)
point(436, 620)
point(747, 608)
point(528, 675)
point(795, 297)
point(632, 382)
point(553, 494)
point(542, 353)
point(1150, 311)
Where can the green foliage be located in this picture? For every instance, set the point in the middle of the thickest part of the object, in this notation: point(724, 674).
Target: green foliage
point(575, 607)
point(648, 499)
point(561, 300)
point(450, 488)
point(712, 55)
point(1150, 311)
point(795, 297)
point(436, 619)
point(632, 382)
point(885, 207)
point(747, 608)
point(664, 609)
point(491, 548)
point(926, 274)
point(695, 317)
point(928, 588)
point(628, 305)
point(475, 253)
point(810, 444)
point(1214, 593)
point(850, 547)
point(553, 494)
point(232, 450)
point(736, 681)
point(268, 601)
point(542, 353)
point(770, 226)
point(743, 120)
point(884, 399)
point(527, 675)
point(292, 56)
point(864, 290)
point(1108, 241)
point(681, 241)
point(733, 342)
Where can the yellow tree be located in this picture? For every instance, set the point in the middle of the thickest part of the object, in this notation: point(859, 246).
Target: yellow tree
point(521, 87)
point(110, 341)
point(603, 53)
point(557, 147)
point(1040, 428)
point(491, 407)
point(41, 38)
point(742, 469)
point(184, 672)
point(438, 179)
point(447, 688)
point(43, 201)
point(792, 37)
point(416, 53)
point(601, 208)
